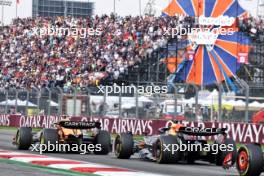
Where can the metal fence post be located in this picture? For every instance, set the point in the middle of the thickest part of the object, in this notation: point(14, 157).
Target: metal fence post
point(60, 100)
point(38, 101)
point(246, 86)
point(175, 100)
point(137, 101)
point(137, 92)
point(220, 102)
point(104, 96)
point(247, 102)
point(88, 107)
point(49, 100)
point(27, 102)
point(157, 70)
point(196, 99)
point(74, 101)
point(120, 105)
point(16, 100)
point(6, 98)
point(38, 98)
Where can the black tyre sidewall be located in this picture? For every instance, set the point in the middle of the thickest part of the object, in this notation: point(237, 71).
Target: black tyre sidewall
point(126, 145)
point(51, 137)
point(103, 138)
point(166, 156)
point(25, 138)
point(255, 160)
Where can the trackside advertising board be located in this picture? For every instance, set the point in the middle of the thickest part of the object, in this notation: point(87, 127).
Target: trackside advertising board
point(241, 132)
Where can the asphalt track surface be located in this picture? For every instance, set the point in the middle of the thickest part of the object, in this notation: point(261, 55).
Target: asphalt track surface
point(197, 169)
point(16, 170)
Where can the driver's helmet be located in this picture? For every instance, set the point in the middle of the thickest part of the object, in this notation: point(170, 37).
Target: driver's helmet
point(65, 118)
point(175, 127)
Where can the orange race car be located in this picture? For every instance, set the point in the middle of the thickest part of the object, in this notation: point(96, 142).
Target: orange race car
point(69, 133)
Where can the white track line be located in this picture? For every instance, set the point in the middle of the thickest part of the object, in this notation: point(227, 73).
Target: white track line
point(30, 159)
point(126, 174)
point(70, 166)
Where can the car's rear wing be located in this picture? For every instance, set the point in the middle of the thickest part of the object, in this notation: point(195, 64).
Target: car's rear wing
point(196, 131)
point(79, 125)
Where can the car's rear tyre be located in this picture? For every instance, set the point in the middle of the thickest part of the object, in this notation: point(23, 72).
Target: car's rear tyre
point(49, 138)
point(191, 157)
point(104, 140)
point(124, 144)
point(164, 155)
point(250, 160)
point(221, 155)
point(23, 138)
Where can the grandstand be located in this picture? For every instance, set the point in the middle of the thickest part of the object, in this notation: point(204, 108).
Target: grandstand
point(30, 61)
point(129, 50)
point(152, 70)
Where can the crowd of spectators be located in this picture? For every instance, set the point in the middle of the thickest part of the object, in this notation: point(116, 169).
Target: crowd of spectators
point(254, 27)
point(28, 59)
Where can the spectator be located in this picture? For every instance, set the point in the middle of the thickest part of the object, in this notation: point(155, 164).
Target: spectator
point(28, 59)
